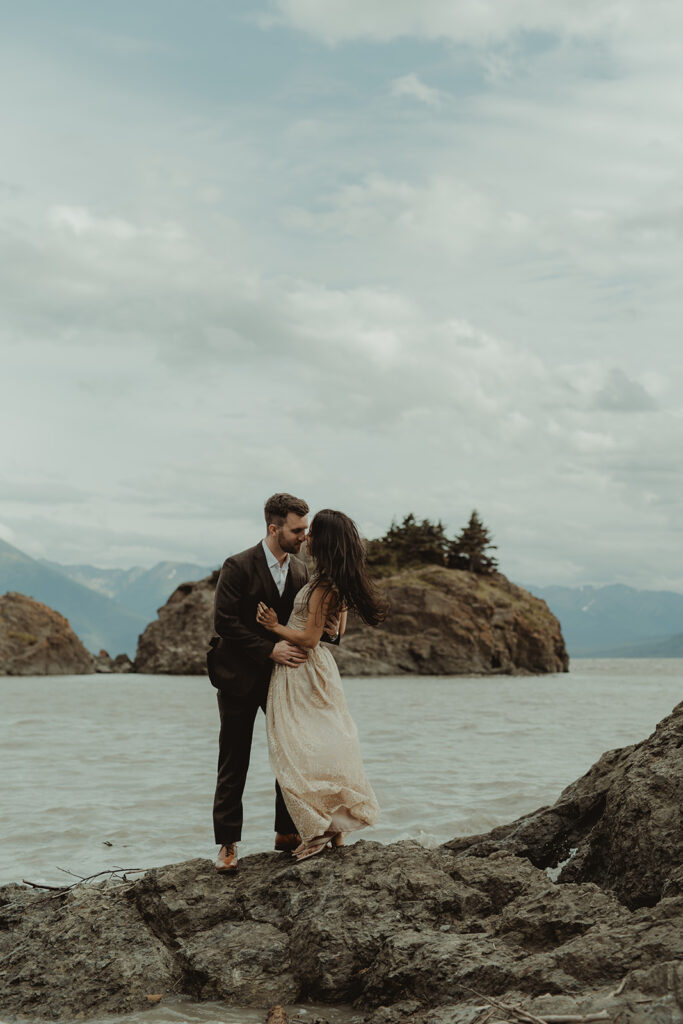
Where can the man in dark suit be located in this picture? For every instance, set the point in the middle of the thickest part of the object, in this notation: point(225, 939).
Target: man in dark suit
point(242, 656)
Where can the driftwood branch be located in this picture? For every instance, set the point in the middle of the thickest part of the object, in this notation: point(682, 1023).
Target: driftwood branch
point(60, 890)
point(518, 1014)
point(72, 873)
point(39, 885)
point(620, 987)
point(512, 1014)
point(602, 1015)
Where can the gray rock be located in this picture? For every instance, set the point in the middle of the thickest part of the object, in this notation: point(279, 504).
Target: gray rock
point(379, 925)
point(87, 952)
point(108, 665)
point(176, 642)
point(618, 826)
point(404, 933)
point(450, 622)
point(35, 640)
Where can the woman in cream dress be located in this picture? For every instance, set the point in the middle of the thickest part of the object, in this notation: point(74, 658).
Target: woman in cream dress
point(312, 739)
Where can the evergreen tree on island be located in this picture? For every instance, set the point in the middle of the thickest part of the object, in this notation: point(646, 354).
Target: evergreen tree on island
point(408, 544)
point(414, 543)
point(468, 550)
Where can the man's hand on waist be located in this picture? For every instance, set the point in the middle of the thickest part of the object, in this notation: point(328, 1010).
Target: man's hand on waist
point(285, 653)
point(331, 627)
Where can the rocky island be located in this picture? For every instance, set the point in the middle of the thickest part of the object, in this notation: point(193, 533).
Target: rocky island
point(440, 622)
point(36, 640)
point(176, 642)
point(573, 913)
point(450, 622)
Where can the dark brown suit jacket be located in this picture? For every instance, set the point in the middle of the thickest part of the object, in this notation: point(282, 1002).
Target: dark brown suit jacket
point(239, 657)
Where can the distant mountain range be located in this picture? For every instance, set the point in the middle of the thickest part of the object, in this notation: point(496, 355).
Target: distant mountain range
point(617, 621)
point(107, 608)
point(140, 590)
point(670, 647)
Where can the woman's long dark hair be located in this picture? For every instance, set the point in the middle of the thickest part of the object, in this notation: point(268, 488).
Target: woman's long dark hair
point(340, 567)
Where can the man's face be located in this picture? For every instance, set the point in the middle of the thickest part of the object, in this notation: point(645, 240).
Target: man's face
point(292, 533)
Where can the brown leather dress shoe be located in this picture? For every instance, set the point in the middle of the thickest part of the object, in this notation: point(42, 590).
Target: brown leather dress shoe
point(227, 858)
point(287, 843)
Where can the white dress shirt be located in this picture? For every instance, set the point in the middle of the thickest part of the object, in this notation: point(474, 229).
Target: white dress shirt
point(277, 571)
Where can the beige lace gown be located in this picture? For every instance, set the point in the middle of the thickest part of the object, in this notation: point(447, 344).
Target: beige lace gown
point(313, 743)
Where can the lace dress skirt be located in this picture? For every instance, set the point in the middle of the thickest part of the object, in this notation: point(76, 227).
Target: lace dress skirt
point(313, 744)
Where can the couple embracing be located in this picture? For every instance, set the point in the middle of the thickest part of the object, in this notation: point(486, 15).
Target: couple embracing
point(274, 628)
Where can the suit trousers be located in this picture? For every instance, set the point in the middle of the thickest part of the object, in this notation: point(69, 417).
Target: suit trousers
point(238, 715)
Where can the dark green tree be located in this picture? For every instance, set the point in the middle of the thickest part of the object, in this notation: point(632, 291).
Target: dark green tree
point(469, 549)
point(380, 560)
point(407, 544)
point(417, 543)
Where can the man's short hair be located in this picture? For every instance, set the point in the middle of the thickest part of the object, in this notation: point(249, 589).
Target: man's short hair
point(278, 507)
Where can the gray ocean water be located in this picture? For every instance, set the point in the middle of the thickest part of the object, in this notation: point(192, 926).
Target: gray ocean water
point(87, 761)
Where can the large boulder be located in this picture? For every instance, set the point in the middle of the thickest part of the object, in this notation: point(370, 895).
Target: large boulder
point(404, 933)
point(450, 622)
point(368, 924)
point(619, 825)
point(177, 641)
point(440, 622)
point(37, 641)
point(106, 664)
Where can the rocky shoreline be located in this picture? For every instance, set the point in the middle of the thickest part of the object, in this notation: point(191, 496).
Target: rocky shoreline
point(573, 911)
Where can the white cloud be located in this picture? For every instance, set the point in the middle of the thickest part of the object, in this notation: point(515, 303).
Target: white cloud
point(212, 391)
point(442, 215)
point(411, 85)
point(590, 442)
point(80, 222)
point(458, 20)
point(621, 394)
point(7, 533)
point(498, 67)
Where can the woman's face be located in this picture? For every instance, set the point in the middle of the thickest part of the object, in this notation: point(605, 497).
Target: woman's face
point(308, 542)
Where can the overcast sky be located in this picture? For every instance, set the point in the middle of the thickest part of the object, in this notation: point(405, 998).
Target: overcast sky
point(390, 256)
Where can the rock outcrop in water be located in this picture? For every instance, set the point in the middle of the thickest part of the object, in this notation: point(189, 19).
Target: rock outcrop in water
point(106, 664)
point(440, 622)
point(177, 641)
point(446, 622)
point(404, 933)
point(36, 640)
